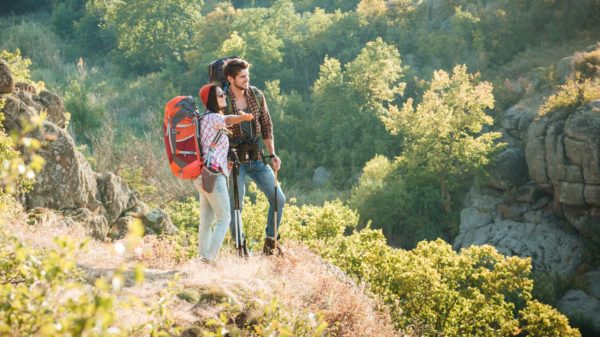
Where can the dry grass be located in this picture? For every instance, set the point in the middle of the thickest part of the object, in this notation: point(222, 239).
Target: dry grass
point(300, 280)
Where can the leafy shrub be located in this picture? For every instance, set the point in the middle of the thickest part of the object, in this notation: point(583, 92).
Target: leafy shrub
point(571, 95)
point(588, 64)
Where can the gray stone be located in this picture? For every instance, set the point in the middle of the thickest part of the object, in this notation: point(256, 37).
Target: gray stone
point(517, 119)
point(320, 176)
point(528, 193)
point(585, 220)
point(114, 195)
point(471, 218)
point(582, 308)
point(591, 194)
point(120, 228)
point(54, 106)
point(535, 152)
point(583, 128)
point(548, 245)
point(592, 283)
point(159, 222)
point(95, 224)
point(67, 180)
point(571, 194)
point(508, 169)
point(15, 110)
point(7, 83)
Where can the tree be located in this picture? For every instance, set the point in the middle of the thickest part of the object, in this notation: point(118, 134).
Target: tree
point(346, 103)
point(444, 137)
point(152, 33)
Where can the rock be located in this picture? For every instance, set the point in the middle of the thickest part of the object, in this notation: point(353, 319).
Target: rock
point(517, 119)
point(585, 220)
point(591, 281)
point(535, 153)
point(14, 111)
point(114, 195)
point(67, 180)
point(95, 224)
point(582, 141)
point(581, 308)
point(25, 87)
point(54, 105)
point(120, 228)
point(7, 83)
point(548, 245)
point(564, 68)
point(472, 218)
point(159, 222)
point(321, 176)
point(528, 193)
point(571, 194)
point(508, 169)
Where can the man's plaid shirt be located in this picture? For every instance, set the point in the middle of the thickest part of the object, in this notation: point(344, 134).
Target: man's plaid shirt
point(262, 121)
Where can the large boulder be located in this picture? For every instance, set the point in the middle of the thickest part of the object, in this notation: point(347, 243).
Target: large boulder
point(581, 308)
point(550, 247)
point(67, 180)
point(563, 158)
point(115, 195)
point(53, 105)
point(508, 169)
point(7, 83)
point(517, 119)
point(15, 111)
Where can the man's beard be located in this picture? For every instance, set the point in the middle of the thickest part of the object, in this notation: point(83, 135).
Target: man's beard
point(239, 87)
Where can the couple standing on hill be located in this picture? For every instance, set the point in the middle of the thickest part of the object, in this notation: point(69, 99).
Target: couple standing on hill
point(240, 111)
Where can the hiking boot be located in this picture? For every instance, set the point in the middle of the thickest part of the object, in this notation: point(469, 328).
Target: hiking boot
point(269, 248)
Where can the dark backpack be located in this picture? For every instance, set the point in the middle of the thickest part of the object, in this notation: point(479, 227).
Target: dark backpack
point(215, 71)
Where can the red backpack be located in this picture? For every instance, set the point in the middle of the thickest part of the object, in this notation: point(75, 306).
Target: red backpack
point(182, 137)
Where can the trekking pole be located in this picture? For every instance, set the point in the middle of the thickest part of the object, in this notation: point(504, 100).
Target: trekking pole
point(237, 214)
point(275, 213)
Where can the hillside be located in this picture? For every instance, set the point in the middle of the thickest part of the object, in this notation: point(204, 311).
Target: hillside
point(298, 289)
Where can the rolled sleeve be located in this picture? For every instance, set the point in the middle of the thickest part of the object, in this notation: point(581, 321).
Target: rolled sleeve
point(266, 124)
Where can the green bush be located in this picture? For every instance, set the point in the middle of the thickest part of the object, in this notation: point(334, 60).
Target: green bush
point(571, 95)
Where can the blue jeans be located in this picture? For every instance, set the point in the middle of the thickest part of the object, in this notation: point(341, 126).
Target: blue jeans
point(213, 206)
point(264, 178)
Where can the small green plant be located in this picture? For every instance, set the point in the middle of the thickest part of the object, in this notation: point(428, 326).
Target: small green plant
point(571, 95)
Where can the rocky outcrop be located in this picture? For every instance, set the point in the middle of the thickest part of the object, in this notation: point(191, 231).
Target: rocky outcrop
point(521, 229)
point(582, 309)
point(7, 84)
point(102, 202)
point(563, 156)
point(67, 180)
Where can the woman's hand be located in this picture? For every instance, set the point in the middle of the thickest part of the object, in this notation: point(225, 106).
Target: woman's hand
point(245, 117)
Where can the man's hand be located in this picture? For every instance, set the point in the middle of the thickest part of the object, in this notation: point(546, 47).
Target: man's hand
point(275, 163)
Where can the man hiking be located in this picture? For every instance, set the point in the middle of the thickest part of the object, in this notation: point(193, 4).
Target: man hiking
point(244, 143)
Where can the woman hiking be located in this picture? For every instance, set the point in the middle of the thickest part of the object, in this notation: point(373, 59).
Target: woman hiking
point(212, 183)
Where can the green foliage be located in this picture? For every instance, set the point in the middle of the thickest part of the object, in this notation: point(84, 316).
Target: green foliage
point(185, 214)
point(255, 317)
point(349, 133)
point(151, 33)
point(19, 67)
point(86, 112)
point(40, 293)
point(444, 137)
point(571, 95)
point(33, 36)
point(542, 320)
point(135, 180)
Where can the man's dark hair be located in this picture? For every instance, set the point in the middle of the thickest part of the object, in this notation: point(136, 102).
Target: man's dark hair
point(211, 102)
point(234, 66)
